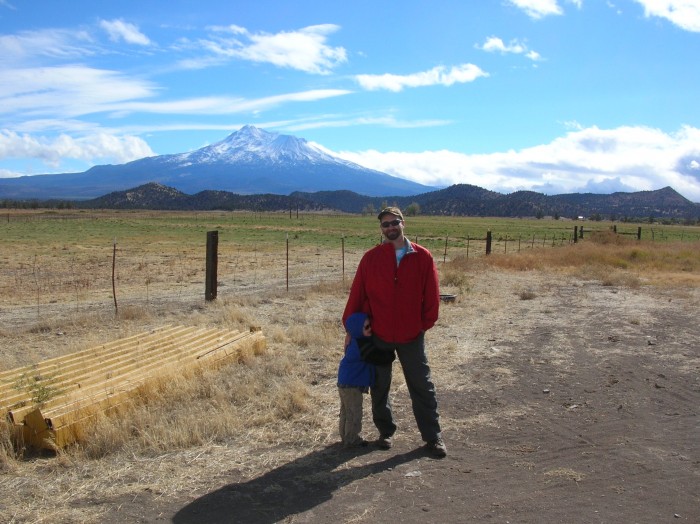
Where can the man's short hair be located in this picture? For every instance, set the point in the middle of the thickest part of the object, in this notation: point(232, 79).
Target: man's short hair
point(390, 210)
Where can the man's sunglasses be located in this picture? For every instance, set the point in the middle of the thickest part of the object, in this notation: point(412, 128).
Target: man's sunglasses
point(394, 223)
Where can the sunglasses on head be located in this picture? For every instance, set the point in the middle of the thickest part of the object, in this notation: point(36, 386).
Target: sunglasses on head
point(390, 223)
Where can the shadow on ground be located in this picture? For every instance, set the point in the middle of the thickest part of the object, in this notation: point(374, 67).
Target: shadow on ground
point(290, 489)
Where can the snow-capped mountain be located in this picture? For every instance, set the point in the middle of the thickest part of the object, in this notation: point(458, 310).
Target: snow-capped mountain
point(253, 145)
point(249, 161)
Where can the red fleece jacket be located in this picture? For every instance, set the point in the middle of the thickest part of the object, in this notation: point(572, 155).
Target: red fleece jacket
point(401, 301)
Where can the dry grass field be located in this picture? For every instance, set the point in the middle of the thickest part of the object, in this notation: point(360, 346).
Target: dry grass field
point(568, 382)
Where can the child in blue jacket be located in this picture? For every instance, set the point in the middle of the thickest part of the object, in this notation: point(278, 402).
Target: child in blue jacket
point(355, 376)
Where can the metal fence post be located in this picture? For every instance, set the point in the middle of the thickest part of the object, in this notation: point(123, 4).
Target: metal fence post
point(212, 265)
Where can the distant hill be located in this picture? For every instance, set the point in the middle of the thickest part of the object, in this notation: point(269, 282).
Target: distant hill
point(157, 196)
point(248, 162)
point(458, 200)
point(468, 200)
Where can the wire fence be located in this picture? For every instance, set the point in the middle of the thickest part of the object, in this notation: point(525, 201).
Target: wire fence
point(97, 277)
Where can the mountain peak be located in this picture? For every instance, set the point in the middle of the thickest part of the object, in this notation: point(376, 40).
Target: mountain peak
point(254, 145)
point(251, 133)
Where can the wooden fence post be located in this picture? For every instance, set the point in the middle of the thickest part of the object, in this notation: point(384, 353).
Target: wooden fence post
point(639, 233)
point(212, 265)
point(488, 242)
point(575, 234)
point(114, 286)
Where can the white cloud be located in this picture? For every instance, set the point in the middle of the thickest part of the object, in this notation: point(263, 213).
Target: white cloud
point(495, 44)
point(94, 148)
point(228, 105)
point(538, 8)
point(683, 13)
point(385, 121)
point(120, 30)
point(75, 90)
point(436, 76)
point(6, 173)
point(47, 43)
point(304, 50)
point(616, 159)
point(66, 91)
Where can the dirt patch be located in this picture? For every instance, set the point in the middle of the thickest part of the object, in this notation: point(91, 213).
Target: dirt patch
point(566, 403)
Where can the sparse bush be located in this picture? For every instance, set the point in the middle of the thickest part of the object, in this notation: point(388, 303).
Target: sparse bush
point(527, 295)
point(617, 278)
point(8, 451)
point(41, 388)
point(291, 399)
point(609, 258)
point(456, 278)
point(133, 313)
point(412, 210)
point(608, 237)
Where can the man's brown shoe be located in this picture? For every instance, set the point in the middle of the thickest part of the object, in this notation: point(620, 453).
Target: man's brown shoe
point(437, 448)
point(384, 442)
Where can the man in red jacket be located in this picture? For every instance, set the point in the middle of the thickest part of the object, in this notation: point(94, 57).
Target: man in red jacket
point(396, 284)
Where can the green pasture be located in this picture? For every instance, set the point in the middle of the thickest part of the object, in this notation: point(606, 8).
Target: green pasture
point(262, 231)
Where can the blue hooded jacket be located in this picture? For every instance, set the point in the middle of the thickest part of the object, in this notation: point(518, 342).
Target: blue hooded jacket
point(353, 371)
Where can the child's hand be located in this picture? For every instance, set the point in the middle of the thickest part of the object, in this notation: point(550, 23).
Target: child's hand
point(347, 340)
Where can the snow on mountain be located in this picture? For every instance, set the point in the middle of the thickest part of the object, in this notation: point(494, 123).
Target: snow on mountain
point(253, 145)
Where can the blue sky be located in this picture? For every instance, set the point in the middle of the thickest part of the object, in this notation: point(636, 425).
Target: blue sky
point(554, 96)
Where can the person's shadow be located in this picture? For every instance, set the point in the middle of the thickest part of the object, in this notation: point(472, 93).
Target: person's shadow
point(287, 490)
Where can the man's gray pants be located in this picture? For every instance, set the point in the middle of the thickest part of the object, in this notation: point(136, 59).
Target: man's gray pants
point(416, 371)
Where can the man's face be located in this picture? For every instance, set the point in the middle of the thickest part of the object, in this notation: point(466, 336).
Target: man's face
point(391, 226)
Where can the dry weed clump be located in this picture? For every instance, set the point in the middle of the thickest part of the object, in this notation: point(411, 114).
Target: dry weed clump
point(329, 287)
point(527, 294)
point(612, 277)
point(8, 453)
point(564, 474)
point(231, 314)
point(77, 320)
point(133, 313)
point(308, 335)
point(613, 259)
point(456, 273)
